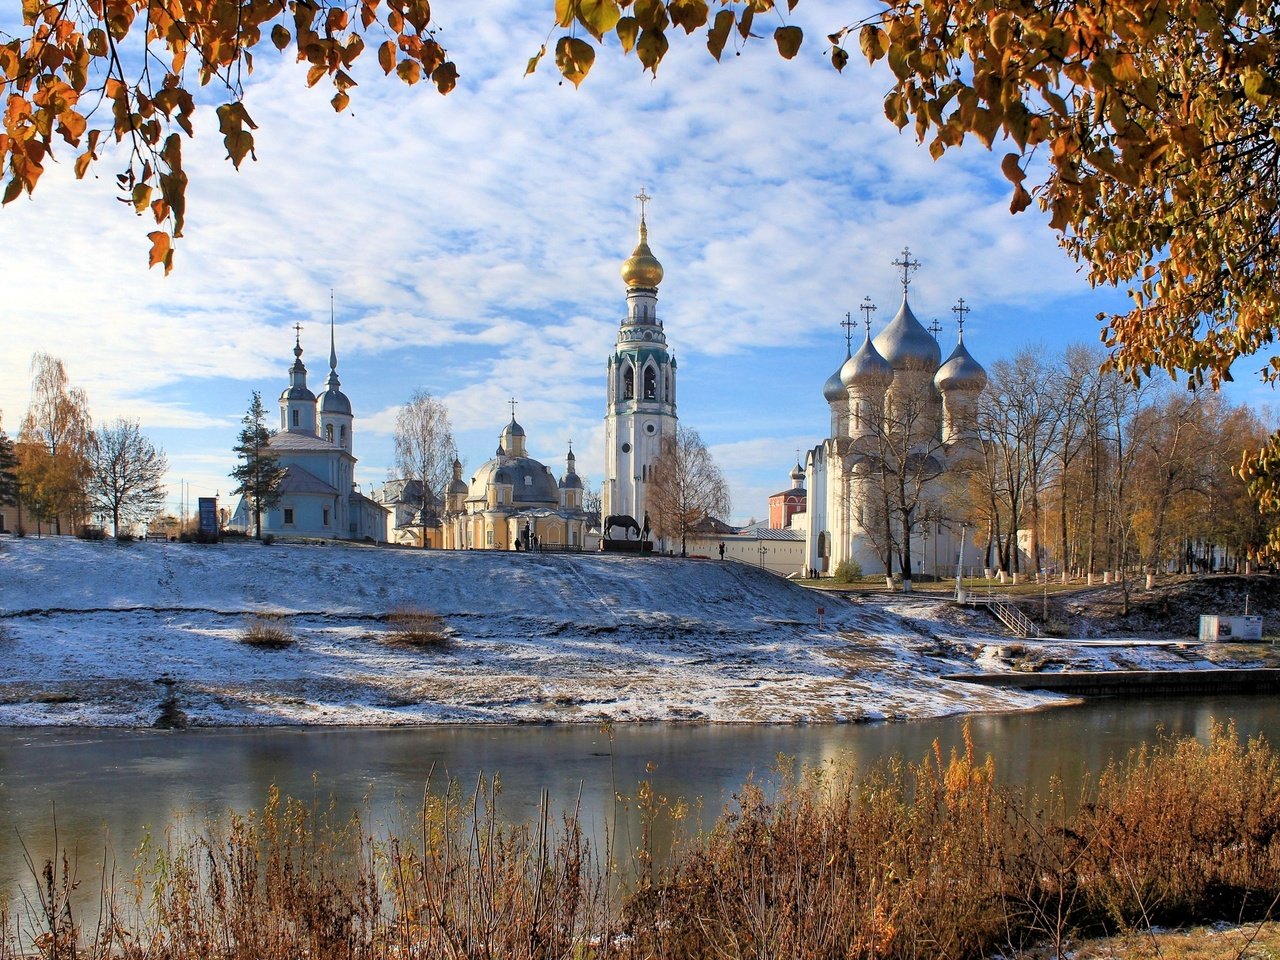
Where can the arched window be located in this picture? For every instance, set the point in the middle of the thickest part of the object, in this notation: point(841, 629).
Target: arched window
point(822, 544)
point(628, 384)
point(295, 418)
point(650, 383)
point(328, 432)
point(342, 435)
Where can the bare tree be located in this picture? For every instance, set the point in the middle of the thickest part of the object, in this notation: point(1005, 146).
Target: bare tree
point(907, 460)
point(425, 450)
point(54, 469)
point(126, 473)
point(685, 486)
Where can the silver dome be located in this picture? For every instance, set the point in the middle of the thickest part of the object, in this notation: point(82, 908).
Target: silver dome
point(833, 390)
point(961, 371)
point(334, 400)
point(906, 344)
point(298, 393)
point(866, 367)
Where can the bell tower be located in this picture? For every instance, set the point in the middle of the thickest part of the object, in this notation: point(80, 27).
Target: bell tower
point(641, 406)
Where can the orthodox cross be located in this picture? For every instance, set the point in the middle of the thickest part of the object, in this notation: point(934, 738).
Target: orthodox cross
point(907, 266)
point(960, 310)
point(643, 198)
point(935, 328)
point(513, 401)
point(571, 446)
point(297, 332)
point(847, 323)
point(867, 308)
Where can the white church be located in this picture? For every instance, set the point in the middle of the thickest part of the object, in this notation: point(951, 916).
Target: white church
point(903, 427)
point(318, 495)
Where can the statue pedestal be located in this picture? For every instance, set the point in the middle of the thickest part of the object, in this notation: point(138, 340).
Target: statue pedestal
point(626, 546)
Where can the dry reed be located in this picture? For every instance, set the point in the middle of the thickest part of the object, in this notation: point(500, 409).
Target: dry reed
point(926, 860)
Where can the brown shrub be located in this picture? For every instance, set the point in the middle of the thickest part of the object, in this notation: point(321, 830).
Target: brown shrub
point(267, 631)
point(417, 628)
point(910, 861)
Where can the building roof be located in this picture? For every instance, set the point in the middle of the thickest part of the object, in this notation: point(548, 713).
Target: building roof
point(303, 441)
point(761, 532)
point(297, 480)
point(789, 492)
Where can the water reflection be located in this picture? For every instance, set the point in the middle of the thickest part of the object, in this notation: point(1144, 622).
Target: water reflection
point(107, 788)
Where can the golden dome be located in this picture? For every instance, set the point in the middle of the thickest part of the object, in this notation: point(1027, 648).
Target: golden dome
point(642, 268)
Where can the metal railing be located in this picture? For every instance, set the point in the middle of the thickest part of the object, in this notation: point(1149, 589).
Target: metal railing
point(1004, 610)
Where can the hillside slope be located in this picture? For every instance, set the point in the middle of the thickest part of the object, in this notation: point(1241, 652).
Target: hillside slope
point(88, 629)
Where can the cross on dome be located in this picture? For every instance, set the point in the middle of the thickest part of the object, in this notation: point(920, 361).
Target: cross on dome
point(867, 308)
point(935, 328)
point(847, 323)
point(907, 266)
point(513, 401)
point(297, 333)
point(960, 310)
point(643, 198)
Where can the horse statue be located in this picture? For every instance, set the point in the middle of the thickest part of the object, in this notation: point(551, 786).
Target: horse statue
point(620, 520)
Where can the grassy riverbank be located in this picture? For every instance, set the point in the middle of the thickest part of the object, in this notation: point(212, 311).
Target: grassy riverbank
point(934, 859)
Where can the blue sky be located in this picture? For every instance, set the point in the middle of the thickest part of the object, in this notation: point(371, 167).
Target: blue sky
point(472, 243)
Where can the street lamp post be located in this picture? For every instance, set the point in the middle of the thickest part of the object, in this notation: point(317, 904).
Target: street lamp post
point(964, 530)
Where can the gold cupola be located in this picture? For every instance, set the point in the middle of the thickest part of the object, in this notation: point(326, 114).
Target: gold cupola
point(642, 268)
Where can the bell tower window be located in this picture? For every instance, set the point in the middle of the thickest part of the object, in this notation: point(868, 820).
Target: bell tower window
point(650, 383)
point(328, 432)
point(628, 384)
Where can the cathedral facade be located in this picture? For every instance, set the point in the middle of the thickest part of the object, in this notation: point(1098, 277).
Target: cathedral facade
point(640, 409)
point(318, 495)
point(514, 502)
point(903, 429)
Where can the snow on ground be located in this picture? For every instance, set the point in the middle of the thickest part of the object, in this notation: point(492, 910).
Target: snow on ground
point(87, 631)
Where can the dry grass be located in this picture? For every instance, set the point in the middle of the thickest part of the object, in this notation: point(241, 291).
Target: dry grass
point(267, 631)
point(928, 860)
point(417, 628)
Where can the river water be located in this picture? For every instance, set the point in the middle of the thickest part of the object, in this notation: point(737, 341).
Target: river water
point(87, 791)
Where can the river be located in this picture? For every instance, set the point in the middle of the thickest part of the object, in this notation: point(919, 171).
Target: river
point(103, 789)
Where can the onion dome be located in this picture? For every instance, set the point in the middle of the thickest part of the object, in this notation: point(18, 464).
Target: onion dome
point(906, 344)
point(834, 390)
point(457, 484)
point(297, 389)
point(570, 480)
point(866, 367)
point(642, 268)
point(961, 371)
point(797, 473)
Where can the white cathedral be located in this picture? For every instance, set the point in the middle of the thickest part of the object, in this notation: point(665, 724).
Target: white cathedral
point(903, 425)
point(318, 495)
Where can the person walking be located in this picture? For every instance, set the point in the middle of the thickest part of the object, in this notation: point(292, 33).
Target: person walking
point(721, 549)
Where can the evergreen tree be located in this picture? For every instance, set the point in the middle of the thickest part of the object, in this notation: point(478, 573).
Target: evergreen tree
point(8, 471)
point(258, 474)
